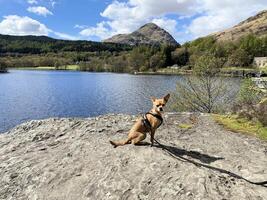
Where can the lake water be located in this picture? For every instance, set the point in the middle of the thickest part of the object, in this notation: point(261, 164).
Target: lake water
point(27, 95)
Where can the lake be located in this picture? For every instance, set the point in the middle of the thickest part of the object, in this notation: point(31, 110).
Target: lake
point(28, 94)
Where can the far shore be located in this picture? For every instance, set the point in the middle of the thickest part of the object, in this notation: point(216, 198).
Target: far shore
point(227, 71)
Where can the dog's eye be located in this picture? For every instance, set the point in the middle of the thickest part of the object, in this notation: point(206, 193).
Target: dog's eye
point(163, 104)
point(157, 105)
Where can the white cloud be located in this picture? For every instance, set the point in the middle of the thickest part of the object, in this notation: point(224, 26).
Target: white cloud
point(17, 25)
point(80, 26)
point(32, 1)
point(40, 10)
point(100, 31)
point(66, 36)
point(219, 15)
point(168, 24)
point(202, 16)
point(125, 17)
point(53, 3)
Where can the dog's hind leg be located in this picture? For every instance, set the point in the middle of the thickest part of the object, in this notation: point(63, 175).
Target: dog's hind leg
point(134, 138)
point(140, 137)
point(120, 143)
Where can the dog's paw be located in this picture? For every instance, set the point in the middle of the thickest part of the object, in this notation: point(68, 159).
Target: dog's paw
point(113, 144)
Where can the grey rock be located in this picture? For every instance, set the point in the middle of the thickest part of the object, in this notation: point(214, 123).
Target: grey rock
point(83, 165)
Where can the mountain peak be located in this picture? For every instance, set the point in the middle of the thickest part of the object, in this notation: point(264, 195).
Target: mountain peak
point(150, 25)
point(149, 33)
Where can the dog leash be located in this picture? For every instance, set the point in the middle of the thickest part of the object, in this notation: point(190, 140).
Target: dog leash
point(183, 159)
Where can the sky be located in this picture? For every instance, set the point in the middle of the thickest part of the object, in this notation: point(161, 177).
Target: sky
point(100, 19)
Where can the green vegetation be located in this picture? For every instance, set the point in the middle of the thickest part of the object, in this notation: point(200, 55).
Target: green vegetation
point(251, 102)
point(141, 58)
point(235, 54)
point(185, 126)
point(264, 69)
point(43, 45)
point(249, 114)
point(204, 92)
point(241, 125)
point(35, 51)
point(2, 69)
point(233, 69)
point(249, 93)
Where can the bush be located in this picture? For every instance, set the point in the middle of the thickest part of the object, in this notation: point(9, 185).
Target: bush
point(203, 92)
point(251, 102)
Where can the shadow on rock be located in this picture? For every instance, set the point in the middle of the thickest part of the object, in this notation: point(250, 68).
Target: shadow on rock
point(204, 158)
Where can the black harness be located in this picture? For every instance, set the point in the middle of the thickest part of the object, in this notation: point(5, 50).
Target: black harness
point(147, 123)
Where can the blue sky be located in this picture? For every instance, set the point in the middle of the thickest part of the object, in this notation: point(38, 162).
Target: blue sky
point(100, 19)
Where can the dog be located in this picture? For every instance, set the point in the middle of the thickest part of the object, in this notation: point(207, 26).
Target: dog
point(148, 123)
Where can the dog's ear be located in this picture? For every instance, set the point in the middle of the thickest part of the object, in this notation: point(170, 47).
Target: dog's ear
point(166, 98)
point(152, 99)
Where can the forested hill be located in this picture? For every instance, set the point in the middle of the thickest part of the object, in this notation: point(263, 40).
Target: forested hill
point(44, 44)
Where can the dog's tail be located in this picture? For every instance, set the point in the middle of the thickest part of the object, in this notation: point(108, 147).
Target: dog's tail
point(120, 143)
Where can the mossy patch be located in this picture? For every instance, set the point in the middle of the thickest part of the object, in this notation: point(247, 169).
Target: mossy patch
point(185, 126)
point(241, 125)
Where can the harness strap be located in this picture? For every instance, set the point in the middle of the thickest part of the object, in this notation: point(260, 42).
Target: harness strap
point(147, 122)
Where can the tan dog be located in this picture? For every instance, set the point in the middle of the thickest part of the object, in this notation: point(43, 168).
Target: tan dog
point(149, 123)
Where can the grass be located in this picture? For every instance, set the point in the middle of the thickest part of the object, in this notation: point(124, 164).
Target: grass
point(36, 68)
point(185, 126)
point(229, 69)
point(246, 69)
point(263, 69)
point(68, 67)
point(169, 70)
point(241, 125)
point(223, 70)
point(72, 67)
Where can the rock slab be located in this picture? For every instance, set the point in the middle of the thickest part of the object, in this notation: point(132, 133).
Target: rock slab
point(66, 159)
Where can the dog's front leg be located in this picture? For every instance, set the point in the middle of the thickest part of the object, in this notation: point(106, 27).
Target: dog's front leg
point(152, 137)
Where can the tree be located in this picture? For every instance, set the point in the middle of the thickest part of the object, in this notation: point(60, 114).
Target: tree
point(203, 92)
point(166, 55)
point(180, 56)
point(239, 58)
point(2, 66)
point(56, 65)
point(136, 59)
point(156, 61)
point(251, 102)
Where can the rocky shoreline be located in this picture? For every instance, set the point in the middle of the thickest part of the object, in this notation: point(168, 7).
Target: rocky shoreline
point(72, 159)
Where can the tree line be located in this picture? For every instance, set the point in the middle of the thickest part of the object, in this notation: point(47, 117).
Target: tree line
point(42, 44)
point(34, 51)
point(234, 54)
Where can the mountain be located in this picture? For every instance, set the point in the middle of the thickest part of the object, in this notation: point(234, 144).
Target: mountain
point(148, 34)
point(43, 44)
point(256, 25)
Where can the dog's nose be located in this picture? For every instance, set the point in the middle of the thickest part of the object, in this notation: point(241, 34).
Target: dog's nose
point(160, 109)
